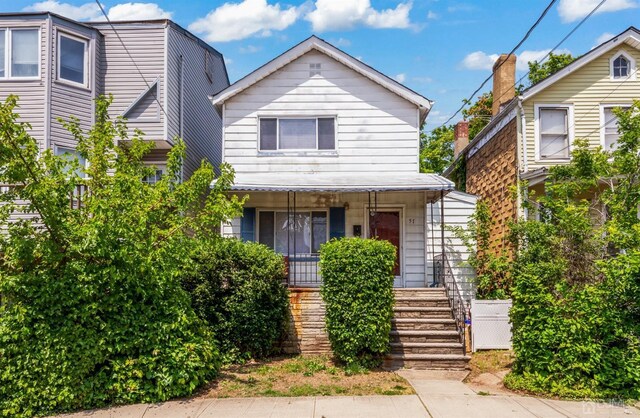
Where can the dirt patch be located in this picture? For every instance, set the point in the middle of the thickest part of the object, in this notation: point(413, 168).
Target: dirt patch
point(302, 376)
point(488, 369)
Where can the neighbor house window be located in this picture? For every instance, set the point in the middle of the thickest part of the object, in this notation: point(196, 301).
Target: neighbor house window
point(610, 134)
point(156, 176)
point(622, 67)
point(19, 53)
point(297, 134)
point(72, 59)
point(70, 154)
point(302, 233)
point(553, 132)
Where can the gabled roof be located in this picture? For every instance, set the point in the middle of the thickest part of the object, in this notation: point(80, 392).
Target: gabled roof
point(630, 37)
point(315, 43)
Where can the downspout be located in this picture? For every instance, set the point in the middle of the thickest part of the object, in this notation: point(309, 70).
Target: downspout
point(47, 86)
point(525, 164)
point(181, 103)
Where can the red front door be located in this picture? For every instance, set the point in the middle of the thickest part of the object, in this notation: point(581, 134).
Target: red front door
point(386, 226)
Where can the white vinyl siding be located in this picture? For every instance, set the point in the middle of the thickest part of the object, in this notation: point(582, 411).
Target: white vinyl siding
point(376, 130)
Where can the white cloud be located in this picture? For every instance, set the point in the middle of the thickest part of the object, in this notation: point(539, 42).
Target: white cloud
point(603, 38)
point(341, 42)
point(138, 11)
point(91, 11)
point(423, 80)
point(87, 11)
point(347, 14)
point(235, 21)
point(571, 10)
point(400, 78)
point(479, 60)
point(431, 15)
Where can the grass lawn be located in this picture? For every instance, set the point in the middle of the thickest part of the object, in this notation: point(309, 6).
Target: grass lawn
point(302, 376)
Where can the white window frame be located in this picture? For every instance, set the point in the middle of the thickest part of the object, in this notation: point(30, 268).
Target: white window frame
point(156, 166)
point(632, 67)
point(604, 106)
point(7, 52)
point(56, 151)
point(85, 41)
point(280, 210)
point(315, 150)
point(536, 126)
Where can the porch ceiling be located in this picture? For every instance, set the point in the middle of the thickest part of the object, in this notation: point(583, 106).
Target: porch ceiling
point(340, 182)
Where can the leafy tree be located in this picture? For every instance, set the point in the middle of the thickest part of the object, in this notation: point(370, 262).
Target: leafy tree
point(479, 114)
point(436, 149)
point(94, 313)
point(538, 71)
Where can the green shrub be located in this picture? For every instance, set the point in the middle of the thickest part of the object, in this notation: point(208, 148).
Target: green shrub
point(237, 288)
point(357, 287)
point(94, 313)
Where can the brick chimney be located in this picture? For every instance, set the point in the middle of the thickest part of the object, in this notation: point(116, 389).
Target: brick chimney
point(460, 137)
point(504, 78)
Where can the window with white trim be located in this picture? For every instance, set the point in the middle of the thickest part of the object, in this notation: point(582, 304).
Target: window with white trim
point(553, 132)
point(72, 59)
point(622, 67)
point(70, 155)
point(297, 134)
point(610, 134)
point(310, 232)
point(19, 53)
point(158, 172)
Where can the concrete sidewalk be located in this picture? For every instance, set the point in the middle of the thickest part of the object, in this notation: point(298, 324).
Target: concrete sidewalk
point(408, 406)
point(445, 396)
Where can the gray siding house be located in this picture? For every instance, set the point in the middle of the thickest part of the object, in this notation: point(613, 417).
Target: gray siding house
point(161, 77)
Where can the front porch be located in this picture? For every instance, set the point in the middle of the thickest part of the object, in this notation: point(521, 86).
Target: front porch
point(296, 214)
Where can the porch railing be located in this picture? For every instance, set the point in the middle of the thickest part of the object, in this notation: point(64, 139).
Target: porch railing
point(445, 278)
point(302, 270)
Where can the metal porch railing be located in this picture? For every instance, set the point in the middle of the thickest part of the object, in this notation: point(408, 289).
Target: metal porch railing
point(444, 278)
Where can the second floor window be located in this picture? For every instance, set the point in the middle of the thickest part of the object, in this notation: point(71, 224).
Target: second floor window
point(19, 53)
point(610, 134)
point(553, 133)
point(621, 67)
point(303, 134)
point(72, 59)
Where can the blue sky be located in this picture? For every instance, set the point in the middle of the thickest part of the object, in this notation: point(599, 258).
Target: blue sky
point(442, 49)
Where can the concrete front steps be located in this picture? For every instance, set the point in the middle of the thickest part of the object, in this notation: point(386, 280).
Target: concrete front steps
point(424, 333)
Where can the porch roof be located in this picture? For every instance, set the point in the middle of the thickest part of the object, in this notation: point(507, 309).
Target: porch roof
point(340, 182)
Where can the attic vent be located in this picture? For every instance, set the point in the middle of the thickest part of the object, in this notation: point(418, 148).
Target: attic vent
point(315, 69)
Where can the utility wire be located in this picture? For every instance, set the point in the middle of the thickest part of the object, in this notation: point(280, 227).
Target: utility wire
point(486, 80)
point(130, 56)
point(517, 83)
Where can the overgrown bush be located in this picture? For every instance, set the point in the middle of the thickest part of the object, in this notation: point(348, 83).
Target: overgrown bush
point(357, 288)
point(94, 313)
point(576, 305)
point(237, 288)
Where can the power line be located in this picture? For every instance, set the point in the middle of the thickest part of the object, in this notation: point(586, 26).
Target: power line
point(135, 64)
point(486, 80)
point(517, 83)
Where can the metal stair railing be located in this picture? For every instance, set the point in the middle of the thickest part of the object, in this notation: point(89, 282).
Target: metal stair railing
point(445, 278)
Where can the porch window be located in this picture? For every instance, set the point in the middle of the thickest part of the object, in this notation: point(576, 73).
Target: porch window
point(301, 233)
point(304, 134)
point(553, 132)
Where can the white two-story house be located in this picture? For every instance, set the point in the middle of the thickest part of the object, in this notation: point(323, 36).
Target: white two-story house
point(325, 147)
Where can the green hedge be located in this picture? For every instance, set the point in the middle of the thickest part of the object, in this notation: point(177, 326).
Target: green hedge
point(357, 276)
point(237, 288)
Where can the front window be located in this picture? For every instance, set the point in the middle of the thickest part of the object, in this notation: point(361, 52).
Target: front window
point(24, 50)
point(70, 155)
point(302, 233)
point(610, 128)
point(554, 133)
point(305, 134)
point(72, 59)
point(155, 177)
point(3, 35)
